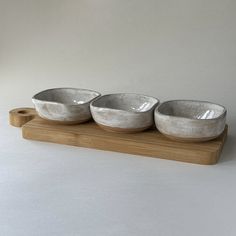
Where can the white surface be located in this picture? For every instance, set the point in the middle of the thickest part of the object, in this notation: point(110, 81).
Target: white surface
point(49, 189)
point(168, 49)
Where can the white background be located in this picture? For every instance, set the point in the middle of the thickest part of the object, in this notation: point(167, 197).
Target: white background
point(164, 48)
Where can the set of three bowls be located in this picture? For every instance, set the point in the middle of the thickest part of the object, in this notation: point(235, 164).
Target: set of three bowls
point(183, 120)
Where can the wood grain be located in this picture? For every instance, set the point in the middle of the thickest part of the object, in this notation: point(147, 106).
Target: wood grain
point(148, 143)
point(20, 116)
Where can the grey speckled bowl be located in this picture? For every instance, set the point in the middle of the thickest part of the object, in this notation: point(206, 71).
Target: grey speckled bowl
point(65, 105)
point(124, 112)
point(187, 120)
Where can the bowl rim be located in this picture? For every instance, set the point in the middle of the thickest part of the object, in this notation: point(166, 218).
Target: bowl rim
point(157, 101)
point(67, 104)
point(190, 119)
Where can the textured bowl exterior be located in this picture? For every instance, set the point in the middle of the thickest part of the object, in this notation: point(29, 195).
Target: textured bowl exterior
point(118, 120)
point(122, 119)
point(63, 113)
point(185, 129)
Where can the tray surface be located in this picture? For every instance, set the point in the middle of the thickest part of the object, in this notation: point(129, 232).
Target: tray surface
point(148, 143)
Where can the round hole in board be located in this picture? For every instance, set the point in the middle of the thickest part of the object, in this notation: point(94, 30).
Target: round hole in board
point(22, 112)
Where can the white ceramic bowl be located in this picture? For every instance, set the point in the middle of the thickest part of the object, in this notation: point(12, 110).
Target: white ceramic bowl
point(124, 112)
point(187, 120)
point(65, 105)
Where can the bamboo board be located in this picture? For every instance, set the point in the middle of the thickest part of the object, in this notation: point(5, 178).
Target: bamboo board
point(149, 143)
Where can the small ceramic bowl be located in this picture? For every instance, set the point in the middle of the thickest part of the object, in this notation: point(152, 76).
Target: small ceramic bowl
point(124, 112)
point(65, 105)
point(186, 120)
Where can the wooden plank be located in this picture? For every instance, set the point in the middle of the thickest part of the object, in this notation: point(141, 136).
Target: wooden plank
point(149, 143)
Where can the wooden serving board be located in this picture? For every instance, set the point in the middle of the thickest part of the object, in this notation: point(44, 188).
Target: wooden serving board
point(149, 143)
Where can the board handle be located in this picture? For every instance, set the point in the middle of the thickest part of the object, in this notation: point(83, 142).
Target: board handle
point(19, 116)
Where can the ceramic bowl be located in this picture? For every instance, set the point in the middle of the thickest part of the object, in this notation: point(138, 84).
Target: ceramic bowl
point(65, 105)
point(187, 120)
point(124, 112)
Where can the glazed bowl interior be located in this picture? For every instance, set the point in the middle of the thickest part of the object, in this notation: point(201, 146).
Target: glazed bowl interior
point(191, 109)
point(69, 96)
point(126, 102)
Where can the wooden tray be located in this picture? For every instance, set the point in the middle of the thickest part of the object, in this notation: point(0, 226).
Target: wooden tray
point(149, 143)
